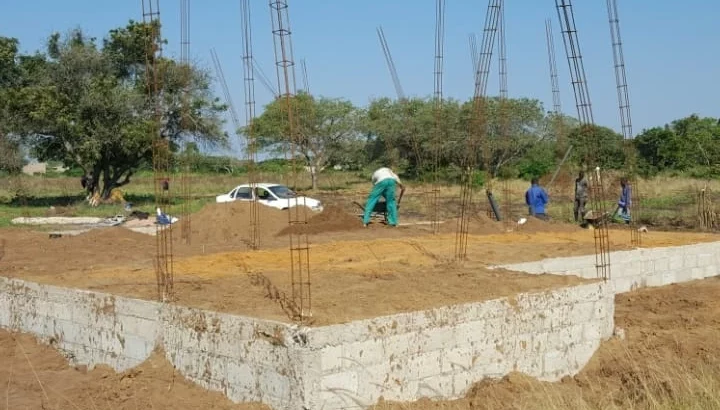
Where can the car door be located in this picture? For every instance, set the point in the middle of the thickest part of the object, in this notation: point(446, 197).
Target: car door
point(243, 194)
point(266, 197)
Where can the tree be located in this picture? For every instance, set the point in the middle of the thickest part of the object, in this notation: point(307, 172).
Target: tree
point(11, 159)
point(683, 145)
point(89, 106)
point(594, 145)
point(326, 130)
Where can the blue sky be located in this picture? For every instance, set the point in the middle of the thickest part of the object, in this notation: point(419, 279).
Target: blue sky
point(670, 50)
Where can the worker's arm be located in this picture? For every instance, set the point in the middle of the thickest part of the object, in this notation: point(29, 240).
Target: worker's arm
point(544, 197)
point(402, 192)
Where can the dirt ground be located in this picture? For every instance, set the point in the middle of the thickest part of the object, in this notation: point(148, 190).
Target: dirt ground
point(355, 272)
point(36, 376)
point(669, 349)
point(669, 359)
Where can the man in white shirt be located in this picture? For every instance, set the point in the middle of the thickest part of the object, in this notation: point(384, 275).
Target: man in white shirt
point(385, 182)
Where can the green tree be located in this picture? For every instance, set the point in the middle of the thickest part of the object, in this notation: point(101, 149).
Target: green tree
point(10, 77)
point(690, 143)
point(594, 145)
point(327, 131)
point(88, 106)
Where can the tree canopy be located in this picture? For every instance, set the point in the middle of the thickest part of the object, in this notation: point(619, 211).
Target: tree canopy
point(88, 105)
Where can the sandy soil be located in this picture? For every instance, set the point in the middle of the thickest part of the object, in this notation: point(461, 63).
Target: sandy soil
point(670, 354)
point(355, 272)
point(36, 376)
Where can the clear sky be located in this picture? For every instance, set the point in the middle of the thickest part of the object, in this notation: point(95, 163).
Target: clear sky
point(670, 48)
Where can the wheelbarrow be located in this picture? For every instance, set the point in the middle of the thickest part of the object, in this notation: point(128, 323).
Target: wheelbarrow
point(380, 210)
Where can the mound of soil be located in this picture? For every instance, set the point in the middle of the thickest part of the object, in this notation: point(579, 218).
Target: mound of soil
point(534, 225)
point(478, 224)
point(332, 219)
point(36, 376)
point(220, 223)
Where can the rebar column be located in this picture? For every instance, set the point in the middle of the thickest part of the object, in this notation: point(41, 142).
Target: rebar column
point(503, 116)
point(297, 214)
point(185, 176)
point(477, 139)
point(250, 137)
point(160, 151)
point(625, 119)
point(438, 135)
point(585, 115)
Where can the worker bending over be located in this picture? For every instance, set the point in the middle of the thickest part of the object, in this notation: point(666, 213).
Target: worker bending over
point(384, 181)
point(625, 201)
point(536, 198)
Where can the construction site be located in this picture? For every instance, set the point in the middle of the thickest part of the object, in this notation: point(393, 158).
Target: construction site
point(474, 305)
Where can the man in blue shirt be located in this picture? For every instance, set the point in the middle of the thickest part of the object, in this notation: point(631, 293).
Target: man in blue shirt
point(536, 198)
point(623, 207)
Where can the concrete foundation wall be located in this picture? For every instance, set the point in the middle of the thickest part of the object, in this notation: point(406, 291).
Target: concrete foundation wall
point(435, 353)
point(637, 268)
point(244, 358)
point(441, 353)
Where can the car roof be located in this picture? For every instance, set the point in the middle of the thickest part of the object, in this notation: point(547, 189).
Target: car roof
point(259, 185)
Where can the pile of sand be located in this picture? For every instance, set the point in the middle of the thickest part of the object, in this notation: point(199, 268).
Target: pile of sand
point(36, 376)
point(478, 224)
point(332, 219)
point(220, 223)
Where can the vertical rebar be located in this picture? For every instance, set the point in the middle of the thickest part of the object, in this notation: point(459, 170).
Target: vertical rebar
point(185, 176)
point(478, 131)
point(503, 117)
point(160, 150)
point(585, 115)
point(625, 118)
point(250, 138)
point(297, 214)
point(438, 136)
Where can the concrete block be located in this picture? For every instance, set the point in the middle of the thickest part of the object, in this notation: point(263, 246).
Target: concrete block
point(555, 362)
point(710, 271)
point(561, 338)
point(697, 273)
point(423, 365)
point(400, 345)
point(363, 353)
point(136, 347)
point(138, 308)
point(705, 259)
point(661, 264)
point(437, 338)
point(331, 358)
point(690, 260)
point(676, 262)
point(683, 275)
point(273, 384)
point(436, 387)
point(457, 360)
point(343, 381)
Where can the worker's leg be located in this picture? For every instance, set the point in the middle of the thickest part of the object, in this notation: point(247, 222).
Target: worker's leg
point(389, 194)
point(375, 194)
point(576, 210)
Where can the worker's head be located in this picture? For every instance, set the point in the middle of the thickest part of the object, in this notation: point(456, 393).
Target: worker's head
point(623, 181)
point(535, 181)
point(581, 174)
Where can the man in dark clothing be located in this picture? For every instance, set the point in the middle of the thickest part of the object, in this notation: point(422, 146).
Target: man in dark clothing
point(623, 208)
point(581, 197)
point(536, 198)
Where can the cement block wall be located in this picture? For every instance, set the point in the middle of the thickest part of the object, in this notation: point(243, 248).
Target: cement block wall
point(441, 353)
point(245, 358)
point(638, 268)
point(434, 353)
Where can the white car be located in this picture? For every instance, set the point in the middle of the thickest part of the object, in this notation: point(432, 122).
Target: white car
point(272, 195)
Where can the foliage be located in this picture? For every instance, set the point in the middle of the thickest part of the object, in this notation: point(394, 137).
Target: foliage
point(688, 144)
point(595, 145)
point(88, 106)
point(326, 130)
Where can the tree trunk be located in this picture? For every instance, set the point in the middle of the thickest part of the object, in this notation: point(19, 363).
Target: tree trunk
point(313, 177)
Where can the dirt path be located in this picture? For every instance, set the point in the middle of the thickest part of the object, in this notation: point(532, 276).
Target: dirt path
point(35, 377)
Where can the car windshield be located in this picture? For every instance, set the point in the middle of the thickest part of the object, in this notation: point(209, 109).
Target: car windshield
point(282, 192)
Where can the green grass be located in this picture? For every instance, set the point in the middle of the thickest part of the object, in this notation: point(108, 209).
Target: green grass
point(666, 201)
